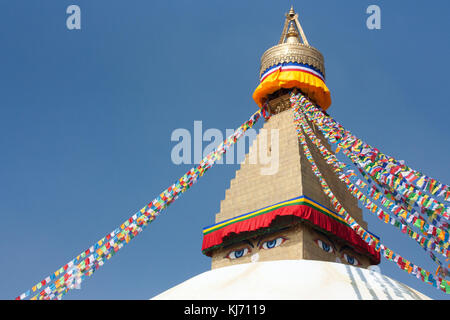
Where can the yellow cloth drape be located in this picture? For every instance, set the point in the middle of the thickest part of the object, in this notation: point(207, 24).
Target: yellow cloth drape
point(311, 85)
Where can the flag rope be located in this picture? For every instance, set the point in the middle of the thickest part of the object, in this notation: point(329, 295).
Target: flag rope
point(401, 262)
point(86, 263)
point(338, 167)
point(383, 169)
point(399, 169)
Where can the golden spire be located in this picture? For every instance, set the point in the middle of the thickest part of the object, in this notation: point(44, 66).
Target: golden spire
point(292, 21)
point(291, 12)
point(292, 34)
point(304, 66)
point(293, 46)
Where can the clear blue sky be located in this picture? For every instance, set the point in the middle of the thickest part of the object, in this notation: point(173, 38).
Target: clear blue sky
point(86, 118)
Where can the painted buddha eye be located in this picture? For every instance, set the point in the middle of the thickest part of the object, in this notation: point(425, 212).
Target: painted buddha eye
point(351, 260)
point(270, 244)
point(236, 254)
point(324, 246)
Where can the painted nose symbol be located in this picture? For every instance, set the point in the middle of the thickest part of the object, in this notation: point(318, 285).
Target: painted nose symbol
point(255, 257)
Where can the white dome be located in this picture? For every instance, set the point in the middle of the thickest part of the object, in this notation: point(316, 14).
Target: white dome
point(291, 280)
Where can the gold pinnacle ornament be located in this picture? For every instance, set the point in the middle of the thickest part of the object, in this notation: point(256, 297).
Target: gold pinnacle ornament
point(292, 64)
point(292, 47)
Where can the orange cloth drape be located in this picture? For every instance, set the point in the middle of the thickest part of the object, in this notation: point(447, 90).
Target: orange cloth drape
point(311, 85)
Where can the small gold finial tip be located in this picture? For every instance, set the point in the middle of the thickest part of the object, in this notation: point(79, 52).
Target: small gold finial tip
point(292, 31)
point(292, 34)
point(292, 12)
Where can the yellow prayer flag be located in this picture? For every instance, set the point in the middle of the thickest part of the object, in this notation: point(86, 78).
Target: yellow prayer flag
point(403, 214)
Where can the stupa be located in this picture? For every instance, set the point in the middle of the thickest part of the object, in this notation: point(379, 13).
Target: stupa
point(275, 236)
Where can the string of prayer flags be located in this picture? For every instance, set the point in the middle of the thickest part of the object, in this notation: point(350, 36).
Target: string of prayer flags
point(378, 164)
point(337, 167)
point(443, 235)
point(398, 199)
point(71, 275)
point(337, 133)
point(401, 262)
